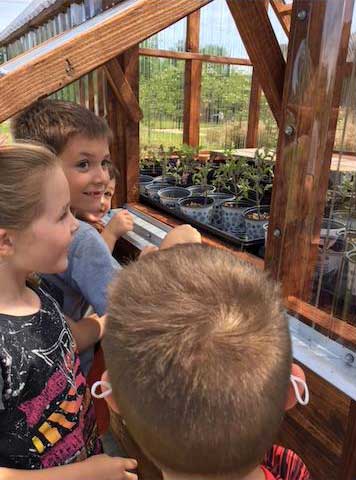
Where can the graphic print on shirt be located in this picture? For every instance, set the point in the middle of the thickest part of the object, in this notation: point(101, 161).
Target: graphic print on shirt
point(47, 402)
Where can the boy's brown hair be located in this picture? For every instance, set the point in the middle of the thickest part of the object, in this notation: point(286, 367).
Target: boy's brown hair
point(54, 122)
point(199, 357)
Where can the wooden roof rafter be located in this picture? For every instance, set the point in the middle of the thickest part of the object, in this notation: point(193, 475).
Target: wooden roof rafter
point(65, 58)
point(122, 90)
point(283, 12)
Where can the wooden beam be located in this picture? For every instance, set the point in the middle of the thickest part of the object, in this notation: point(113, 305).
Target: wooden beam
point(122, 90)
point(349, 457)
point(91, 94)
point(253, 112)
point(126, 156)
point(310, 110)
point(283, 16)
point(101, 91)
point(68, 56)
point(256, 31)
point(192, 84)
point(150, 52)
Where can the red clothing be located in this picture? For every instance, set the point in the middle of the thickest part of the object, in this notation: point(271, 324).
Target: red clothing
point(283, 464)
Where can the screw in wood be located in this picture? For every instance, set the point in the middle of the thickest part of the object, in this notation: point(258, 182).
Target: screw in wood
point(302, 15)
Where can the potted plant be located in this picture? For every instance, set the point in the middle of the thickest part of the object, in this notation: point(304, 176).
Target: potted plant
point(197, 207)
point(170, 196)
point(230, 177)
point(259, 175)
point(163, 159)
point(183, 166)
point(149, 162)
point(200, 179)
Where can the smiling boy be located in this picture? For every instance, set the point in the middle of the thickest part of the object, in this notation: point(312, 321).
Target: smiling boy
point(81, 140)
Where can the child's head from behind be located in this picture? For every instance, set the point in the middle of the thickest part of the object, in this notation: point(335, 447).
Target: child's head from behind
point(36, 225)
point(79, 138)
point(198, 355)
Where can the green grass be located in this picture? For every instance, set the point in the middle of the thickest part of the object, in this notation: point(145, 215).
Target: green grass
point(5, 130)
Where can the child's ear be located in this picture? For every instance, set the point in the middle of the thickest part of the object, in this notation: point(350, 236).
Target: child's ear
point(109, 399)
point(6, 244)
point(291, 401)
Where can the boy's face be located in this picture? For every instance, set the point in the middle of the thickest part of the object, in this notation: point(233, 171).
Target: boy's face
point(85, 163)
point(107, 198)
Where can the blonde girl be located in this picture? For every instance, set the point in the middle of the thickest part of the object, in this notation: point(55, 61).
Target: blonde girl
point(47, 424)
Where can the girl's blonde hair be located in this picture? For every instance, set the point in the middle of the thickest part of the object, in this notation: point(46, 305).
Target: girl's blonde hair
point(23, 171)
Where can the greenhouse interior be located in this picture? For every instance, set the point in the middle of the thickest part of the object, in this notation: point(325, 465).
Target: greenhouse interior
point(237, 117)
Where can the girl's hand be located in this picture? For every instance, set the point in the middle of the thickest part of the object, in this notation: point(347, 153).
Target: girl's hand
point(103, 467)
point(121, 223)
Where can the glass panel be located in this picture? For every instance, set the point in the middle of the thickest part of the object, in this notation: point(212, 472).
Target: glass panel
point(218, 32)
point(172, 38)
point(161, 99)
point(317, 234)
point(267, 127)
point(225, 98)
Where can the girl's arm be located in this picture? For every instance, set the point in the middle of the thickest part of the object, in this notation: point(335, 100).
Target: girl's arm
point(98, 467)
point(87, 331)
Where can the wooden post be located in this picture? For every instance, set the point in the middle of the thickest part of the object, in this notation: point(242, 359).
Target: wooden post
point(125, 148)
point(192, 83)
point(348, 455)
point(319, 37)
point(253, 112)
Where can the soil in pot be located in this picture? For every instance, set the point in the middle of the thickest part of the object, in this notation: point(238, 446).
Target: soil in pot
point(254, 221)
point(197, 207)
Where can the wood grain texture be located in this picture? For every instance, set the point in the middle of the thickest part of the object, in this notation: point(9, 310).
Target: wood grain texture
point(253, 112)
point(310, 106)
point(151, 52)
point(348, 469)
point(91, 92)
point(317, 432)
point(125, 151)
point(192, 83)
point(89, 50)
point(122, 90)
point(257, 33)
point(283, 12)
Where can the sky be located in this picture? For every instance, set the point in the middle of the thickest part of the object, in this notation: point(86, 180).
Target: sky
point(9, 9)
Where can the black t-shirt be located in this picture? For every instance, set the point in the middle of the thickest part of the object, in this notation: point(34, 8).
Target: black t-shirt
point(46, 414)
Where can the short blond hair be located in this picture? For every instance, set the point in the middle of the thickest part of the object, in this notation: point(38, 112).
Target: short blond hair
point(198, 353)
point(54, 122)
point(23, 171)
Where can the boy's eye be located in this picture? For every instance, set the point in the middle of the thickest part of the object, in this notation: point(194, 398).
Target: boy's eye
point(106, 163)
point(108, 194)
point(83, 164)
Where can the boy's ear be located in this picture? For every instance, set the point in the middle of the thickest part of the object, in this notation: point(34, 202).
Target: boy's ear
point(109, 399)
point(291, 401)
point(6, 244)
